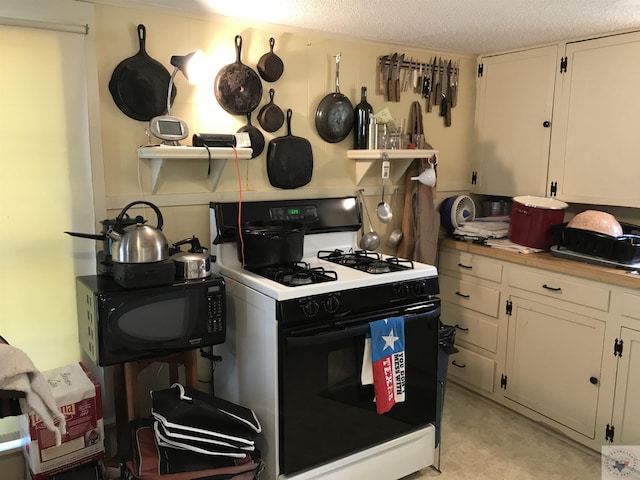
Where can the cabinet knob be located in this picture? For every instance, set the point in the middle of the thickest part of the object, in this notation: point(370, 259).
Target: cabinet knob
point(546, 124)
point(593, 380)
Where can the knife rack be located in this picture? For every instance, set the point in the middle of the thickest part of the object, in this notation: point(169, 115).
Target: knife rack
point(412, 65)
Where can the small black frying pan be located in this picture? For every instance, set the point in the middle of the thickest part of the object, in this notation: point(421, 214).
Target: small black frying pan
point(270, 66)
point(255, 135)
point(139, 84)
point(271, 116)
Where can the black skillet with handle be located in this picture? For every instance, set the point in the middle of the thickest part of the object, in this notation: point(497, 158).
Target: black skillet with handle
point(255, 135)
point(139, 84)
point(237, 87)
point(271, 116)
point(270, 66)
point(289, 159)
point(335, 115)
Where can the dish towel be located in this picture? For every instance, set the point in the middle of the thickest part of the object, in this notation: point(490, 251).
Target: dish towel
point(17, 372)
point(383, 362)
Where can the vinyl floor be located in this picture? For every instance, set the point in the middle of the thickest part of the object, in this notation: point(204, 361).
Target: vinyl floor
point(485, 441)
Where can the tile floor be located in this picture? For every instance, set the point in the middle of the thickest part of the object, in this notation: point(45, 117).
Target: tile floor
point(485, 441)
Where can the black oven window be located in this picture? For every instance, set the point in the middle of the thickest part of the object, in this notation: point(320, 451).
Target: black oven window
point(157, 321)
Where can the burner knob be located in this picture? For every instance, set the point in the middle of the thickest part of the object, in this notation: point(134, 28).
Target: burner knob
point(332, 304)
point(420, 288)
point(402, 290)
point(311, 308)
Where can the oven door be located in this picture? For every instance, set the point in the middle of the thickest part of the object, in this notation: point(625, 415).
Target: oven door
point(325, 411)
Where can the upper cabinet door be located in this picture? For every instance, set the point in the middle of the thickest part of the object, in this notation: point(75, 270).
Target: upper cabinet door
point(513, 121)
point(595, 152)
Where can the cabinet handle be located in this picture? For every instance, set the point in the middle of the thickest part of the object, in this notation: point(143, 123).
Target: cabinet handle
point(460, 328)
point(458, 365)
point(462, 265)
point(593, 380)
point(463, 295)
point(553, 289)
point(546, 124)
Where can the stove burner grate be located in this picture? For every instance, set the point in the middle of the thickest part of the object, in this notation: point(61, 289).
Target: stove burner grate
point(296, 274)
point(365, 261)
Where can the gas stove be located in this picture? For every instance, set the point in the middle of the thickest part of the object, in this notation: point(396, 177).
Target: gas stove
point(331, 256)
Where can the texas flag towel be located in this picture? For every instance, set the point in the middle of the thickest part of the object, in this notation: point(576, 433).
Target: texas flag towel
point(383, 362)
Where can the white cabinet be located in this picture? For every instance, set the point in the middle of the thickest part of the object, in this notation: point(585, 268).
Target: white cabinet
point(561, 121)
point(513, 119)
point(553, 363)
point(625, 419)
point(594, 150)
point(470, 295)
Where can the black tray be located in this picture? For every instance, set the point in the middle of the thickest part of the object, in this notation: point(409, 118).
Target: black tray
point(623, 249)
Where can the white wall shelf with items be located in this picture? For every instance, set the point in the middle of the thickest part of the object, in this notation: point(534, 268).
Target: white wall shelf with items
point(400, 160)
point(158, 154)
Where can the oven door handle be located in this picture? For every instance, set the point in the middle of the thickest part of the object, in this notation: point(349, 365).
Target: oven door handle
point(303, 339)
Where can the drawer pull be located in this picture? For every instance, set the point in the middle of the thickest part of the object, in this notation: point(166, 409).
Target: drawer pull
point(461, 328)
point(462, 265)
point(458, 365)
point(593, 380)
point(553, 289)
point(463, 295)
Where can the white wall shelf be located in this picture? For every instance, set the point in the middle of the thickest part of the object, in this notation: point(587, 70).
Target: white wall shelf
point(158, 154)
point(400, 160)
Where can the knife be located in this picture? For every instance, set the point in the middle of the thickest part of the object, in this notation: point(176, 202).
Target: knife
point(388, 90)
point(382, 74)
point(426, 86)
point(446, 101)
point(434, 82)
point(454, 84)
point(396, 88)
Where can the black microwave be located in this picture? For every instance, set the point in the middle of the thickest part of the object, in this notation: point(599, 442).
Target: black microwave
point(117, 325)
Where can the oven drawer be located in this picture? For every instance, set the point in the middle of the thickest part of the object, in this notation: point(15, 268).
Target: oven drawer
point(472, 327)
point(469, 295)
point(469, 264)
point(472, 368)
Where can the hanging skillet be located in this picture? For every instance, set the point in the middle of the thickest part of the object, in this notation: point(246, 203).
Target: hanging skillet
point(255, 135)
point(237, 87)
point(334, 115)
point(271, 116)
point(139, 84)
point(270, 66)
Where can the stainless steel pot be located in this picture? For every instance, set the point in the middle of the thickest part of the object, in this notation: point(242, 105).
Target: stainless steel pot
point(192, 264)
point(138, 243)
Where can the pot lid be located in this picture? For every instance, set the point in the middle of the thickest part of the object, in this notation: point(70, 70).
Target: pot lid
point(541, 202)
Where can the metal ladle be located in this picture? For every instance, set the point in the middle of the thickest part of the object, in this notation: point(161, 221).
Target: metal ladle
point(369, 240)
point(384, 209)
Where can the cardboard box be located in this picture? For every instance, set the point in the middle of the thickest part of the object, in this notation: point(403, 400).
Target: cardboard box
point(78, 396)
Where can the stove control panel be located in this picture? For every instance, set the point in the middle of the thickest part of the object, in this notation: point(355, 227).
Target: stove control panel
point(304, 214)
point(364, 300)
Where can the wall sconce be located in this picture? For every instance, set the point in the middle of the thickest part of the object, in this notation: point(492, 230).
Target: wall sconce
point(167, 127)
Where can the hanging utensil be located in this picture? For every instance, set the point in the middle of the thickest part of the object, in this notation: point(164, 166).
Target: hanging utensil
point(371, 239)
point(335, 114)
point(271, 116)
point(270, 66)
point(396, 234)
point(384, 209)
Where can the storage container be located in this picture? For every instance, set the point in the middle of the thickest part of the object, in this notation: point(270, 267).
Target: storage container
point(532, 219)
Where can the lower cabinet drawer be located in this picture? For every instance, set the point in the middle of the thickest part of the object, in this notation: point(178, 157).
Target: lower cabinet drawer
point(470, 295)
point(472, 368)
point(472, 327)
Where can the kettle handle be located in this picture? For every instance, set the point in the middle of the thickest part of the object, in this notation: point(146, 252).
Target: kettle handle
point(120, 216)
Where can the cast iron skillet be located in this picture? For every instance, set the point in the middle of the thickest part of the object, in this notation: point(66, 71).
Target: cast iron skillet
point(334, 115)
point(271, 116)
point(289, 160)
point(255, 135)
point(139, 84)
point(237, 87)
point(270, 66)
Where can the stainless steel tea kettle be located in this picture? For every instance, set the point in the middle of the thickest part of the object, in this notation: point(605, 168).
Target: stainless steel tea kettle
point(138, 243)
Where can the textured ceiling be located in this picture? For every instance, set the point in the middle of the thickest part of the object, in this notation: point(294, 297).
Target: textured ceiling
point(466, 26)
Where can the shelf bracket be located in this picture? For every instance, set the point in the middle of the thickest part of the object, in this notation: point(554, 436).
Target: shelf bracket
point(400, 161)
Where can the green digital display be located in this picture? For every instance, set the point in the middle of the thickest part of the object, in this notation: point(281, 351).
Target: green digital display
point(293, 211)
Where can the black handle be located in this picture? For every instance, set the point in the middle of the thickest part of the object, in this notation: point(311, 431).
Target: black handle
point(546, 124)
point(553, 289)
point(120, 218)
point(461, 328)
point(458, 365)
point(462, 265)
point(593, 380)
point(463, 295)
